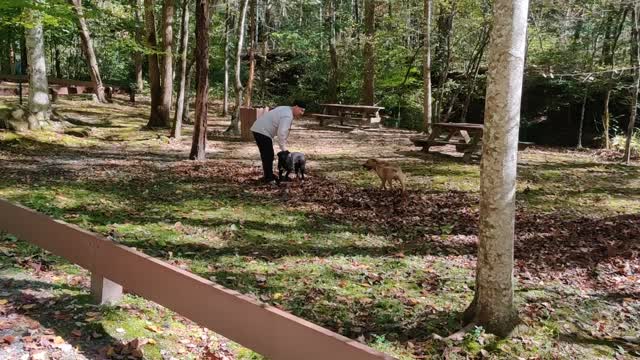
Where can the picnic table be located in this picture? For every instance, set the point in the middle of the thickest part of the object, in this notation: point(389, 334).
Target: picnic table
point(466, 137)
point(363, 115)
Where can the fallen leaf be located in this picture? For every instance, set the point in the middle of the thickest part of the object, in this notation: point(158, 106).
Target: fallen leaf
point(153, 328)
point(9, 339)
point(76, 333)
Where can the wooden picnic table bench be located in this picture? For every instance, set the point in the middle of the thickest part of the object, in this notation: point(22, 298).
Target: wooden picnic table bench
point(363, 115)
point(468, 142)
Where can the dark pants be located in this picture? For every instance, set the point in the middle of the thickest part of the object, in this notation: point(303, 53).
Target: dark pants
point(265, 145)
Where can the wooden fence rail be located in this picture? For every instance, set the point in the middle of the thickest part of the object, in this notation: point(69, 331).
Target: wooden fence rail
point(260, 327)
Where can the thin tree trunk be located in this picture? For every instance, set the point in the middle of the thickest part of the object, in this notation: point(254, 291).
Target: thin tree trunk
point(12, 59)
point(368, 86)
point(330, 31)
point(199, 144)
point(58, 66)
point(443, 56)
point(24, 63)
point(472, 75)
point(185, 114)
point(263, 39)
point(38, 86)
point(234, 127)
point(87, 48)
point(426, 71)
point(176, 130)
point(227, 54)
point(492, 306)
point(635, 62)
point(580, 127)
point(168, 10)
point(155, 117)
point(252, 51)
point(606, 119)
point(138, 56)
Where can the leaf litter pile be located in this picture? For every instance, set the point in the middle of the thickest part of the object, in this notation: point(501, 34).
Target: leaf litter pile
point(598, 253)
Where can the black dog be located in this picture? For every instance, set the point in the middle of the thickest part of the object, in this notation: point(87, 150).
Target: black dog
point(291, 161)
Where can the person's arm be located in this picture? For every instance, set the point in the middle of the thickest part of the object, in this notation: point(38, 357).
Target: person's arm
point(283, 131)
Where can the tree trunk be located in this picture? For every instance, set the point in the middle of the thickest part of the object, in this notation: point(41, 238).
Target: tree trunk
point(185, 114)
point(580, 127)
point(635, 62)
point(24, 63)
point(263, 39)
point(234, 127)
point(443, 55)
point(138, 56)
point(155, 118)
point(251, 51)
point(199, 144)
point(606, 119)
point(176, 130)
point(426, 71)
point(168, 10)
point(368, 97)
point(330, 32)
point(227, 54)
point(12, 59)
point(39, 105)
point(492, 306)
point(87, 49)
point(58, 66)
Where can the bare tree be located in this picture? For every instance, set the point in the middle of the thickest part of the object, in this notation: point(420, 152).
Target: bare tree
point(234, 127)
point(199, 144)
point(227, 54)
point(39, 104)
point(138, 57)
point(426, 71)
point(635, 62)
point(168, 10)
point(330, 30)
point(87, 48)
point(252, 51)
point(176, 130)
point(155, 117)
point(368, 87)
point(492, 306)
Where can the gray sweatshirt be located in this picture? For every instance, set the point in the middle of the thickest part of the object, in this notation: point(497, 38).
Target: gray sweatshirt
point(276, 122)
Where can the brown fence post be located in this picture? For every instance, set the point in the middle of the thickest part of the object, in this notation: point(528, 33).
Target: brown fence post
point(105, 291)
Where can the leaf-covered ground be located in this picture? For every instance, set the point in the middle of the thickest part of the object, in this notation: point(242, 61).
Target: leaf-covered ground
point(390, 271)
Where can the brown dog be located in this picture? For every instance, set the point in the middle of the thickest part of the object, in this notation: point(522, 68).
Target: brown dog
point(387, 172)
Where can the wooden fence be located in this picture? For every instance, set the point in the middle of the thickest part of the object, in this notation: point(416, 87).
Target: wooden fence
point(260, 327)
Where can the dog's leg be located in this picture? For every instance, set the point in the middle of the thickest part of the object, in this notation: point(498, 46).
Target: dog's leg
point(383, 186)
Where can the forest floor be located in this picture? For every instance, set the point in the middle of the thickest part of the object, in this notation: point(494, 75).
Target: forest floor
point(392, 272)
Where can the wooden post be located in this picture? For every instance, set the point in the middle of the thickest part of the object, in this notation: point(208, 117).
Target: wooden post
point(105, 291)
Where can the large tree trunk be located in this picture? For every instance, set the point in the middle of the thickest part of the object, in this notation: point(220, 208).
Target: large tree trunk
point(155, 117)
point(234, 127)
point(39, 105)
point(368, 89)
point(492, 306)
point(167, 67)
point(635, 62)
point(252, 51)
point(138, 56)
point(87, 48)
point(426, 71)
point(227, 54)
point(330, 32)
point(199, 144)
point(176, 130)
